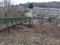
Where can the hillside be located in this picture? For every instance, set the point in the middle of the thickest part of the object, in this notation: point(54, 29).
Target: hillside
point(45, 4)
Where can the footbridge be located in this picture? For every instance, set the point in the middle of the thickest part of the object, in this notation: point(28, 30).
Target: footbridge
point(9, 22)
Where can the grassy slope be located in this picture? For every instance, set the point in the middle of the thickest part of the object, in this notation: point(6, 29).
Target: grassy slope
point(32, 36)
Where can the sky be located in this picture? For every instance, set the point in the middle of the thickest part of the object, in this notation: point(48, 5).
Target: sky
point(24, 1)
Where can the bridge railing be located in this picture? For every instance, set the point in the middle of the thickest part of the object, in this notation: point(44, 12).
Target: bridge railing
point(5, 22)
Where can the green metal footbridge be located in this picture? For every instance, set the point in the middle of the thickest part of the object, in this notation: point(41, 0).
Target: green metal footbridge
point(7, 22)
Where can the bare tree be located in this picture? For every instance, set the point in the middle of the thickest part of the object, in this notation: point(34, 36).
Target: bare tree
point(6, 6)
point(7, 2)
point(6, 11)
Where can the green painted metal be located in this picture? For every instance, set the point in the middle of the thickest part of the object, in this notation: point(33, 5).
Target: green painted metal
point(12, 21)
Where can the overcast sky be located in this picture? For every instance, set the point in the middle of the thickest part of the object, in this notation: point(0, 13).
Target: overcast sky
point(24, 1)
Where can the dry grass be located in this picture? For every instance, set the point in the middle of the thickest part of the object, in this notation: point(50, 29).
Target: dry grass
point(38, 35)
